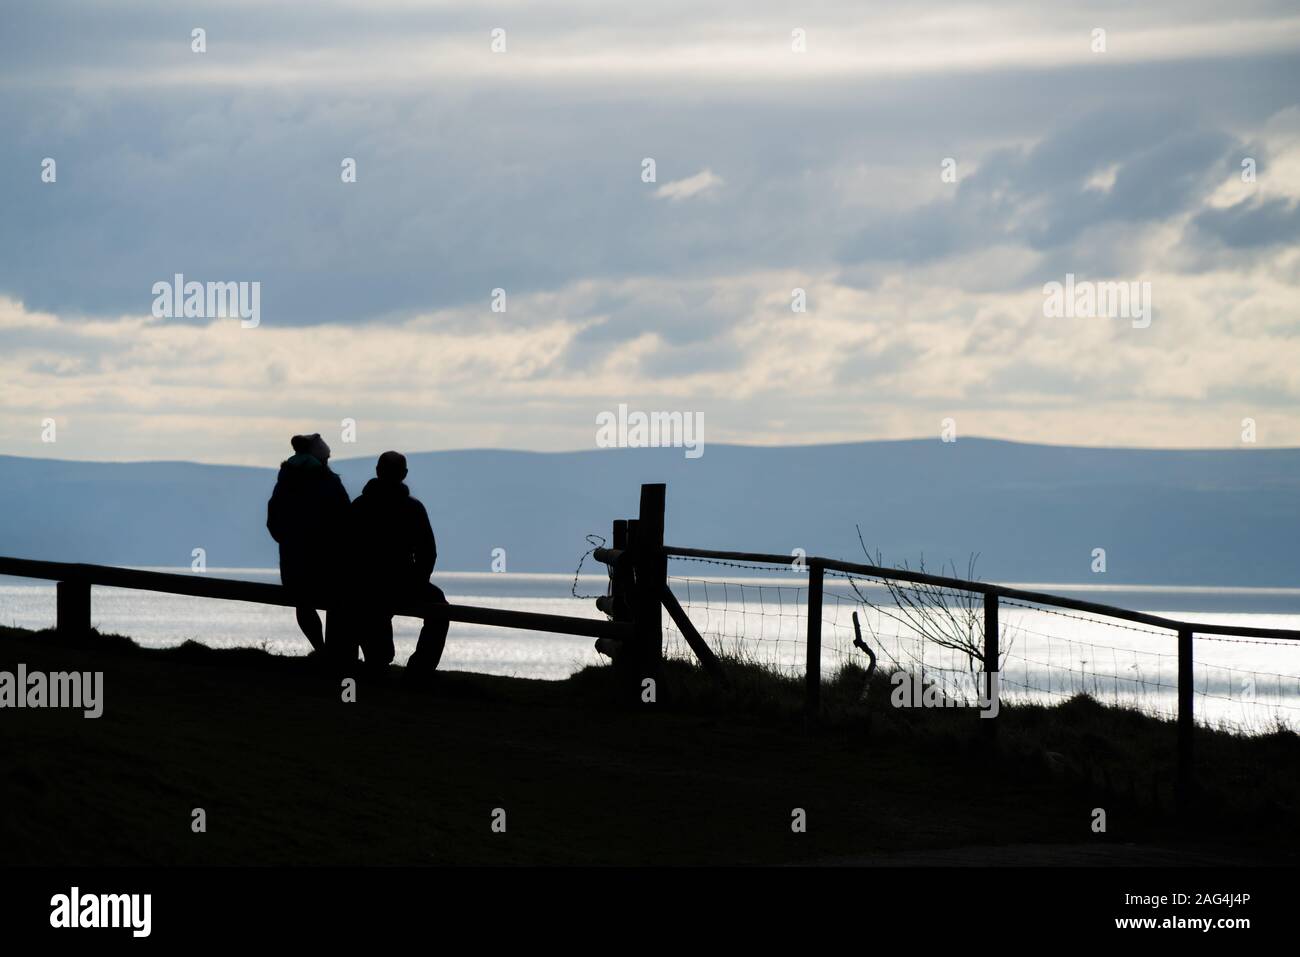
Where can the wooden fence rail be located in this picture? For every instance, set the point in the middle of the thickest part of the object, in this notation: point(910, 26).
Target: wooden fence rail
point(988, 588)
point(633, 632)
point(1185, 631)
point(75, 581)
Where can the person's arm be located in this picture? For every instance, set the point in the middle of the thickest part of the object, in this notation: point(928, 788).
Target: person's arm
point(426, 549)
point(274, 509)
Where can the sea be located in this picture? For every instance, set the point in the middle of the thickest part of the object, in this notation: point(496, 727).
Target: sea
point(1049, 654)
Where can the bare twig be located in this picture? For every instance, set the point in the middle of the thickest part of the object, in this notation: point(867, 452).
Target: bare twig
point(947, 617)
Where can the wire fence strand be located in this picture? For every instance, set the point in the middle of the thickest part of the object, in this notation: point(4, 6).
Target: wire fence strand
point(1048, 654)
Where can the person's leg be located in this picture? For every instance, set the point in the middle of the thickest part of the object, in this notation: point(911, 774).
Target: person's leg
point(297, 581)
point(309, 622)
point(377, 641)
point(433, 635)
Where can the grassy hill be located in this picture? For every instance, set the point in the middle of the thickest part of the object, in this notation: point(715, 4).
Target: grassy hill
point(289, 774)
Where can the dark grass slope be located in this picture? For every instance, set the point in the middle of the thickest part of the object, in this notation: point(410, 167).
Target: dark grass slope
point(288, 774)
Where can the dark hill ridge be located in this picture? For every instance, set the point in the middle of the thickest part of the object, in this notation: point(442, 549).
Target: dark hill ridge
point(1034, 513)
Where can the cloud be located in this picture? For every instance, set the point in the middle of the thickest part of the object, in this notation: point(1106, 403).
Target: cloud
point(391, 43)
point(702, 182)
point(521, 171)
point(889, 361)
point(1252, 224)
point(1044, 197)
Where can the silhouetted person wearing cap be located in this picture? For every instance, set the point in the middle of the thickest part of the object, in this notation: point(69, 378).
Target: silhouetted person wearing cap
point(393, 554)
point(307, 516)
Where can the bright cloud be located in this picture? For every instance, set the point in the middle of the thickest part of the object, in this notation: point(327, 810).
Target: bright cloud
point(701, 182)
point(918, 175)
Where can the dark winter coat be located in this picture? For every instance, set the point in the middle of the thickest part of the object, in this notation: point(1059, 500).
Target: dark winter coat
point(307, 515)
point(391, 542)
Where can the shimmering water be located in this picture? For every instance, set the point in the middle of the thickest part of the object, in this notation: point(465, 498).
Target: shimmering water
point(1049, 655)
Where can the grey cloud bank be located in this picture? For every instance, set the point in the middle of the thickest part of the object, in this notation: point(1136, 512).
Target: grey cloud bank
point(522, 171)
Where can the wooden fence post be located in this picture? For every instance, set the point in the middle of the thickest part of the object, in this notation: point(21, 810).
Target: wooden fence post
point(618, 574)
point(1186, 721)
point(621, 586)
point(991, 655)
point(618, 603)
point(708, 660)
point(651, 570)
point(813, 666)
point(72, 608)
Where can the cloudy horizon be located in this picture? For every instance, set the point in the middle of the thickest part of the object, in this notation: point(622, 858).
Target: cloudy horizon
point(502, 271)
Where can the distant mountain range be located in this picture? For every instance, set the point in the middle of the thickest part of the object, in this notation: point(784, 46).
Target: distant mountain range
point(1033, 513)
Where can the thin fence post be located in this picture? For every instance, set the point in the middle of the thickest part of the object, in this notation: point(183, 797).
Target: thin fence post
point(617, 604)
point(72, 608)
point(992, 652)
point(813, 667)
point(1186, 719)
point(629, 583)
point(651, 571)
point(621, 609)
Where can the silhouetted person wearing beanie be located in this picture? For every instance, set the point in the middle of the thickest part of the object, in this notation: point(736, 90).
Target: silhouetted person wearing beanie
point(307, 516)
point(393, 554)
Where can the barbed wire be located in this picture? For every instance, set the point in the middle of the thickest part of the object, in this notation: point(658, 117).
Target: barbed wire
point(1113, 623)
point(965, 594)
point(762, 621)
point(1229, 639)
point(595, 541)
point(746, 565)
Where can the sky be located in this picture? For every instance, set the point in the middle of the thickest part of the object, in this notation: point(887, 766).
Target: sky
point(921, 172)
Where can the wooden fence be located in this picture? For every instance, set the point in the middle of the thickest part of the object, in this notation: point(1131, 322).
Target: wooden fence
point(632, 635)
point(74, 581)
point(992, 593)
